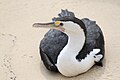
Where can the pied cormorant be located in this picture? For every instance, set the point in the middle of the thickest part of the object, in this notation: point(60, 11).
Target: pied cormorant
point(71, 46)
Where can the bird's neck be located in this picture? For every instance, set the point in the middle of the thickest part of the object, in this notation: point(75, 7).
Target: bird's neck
point(67, 56)
point(76, 40)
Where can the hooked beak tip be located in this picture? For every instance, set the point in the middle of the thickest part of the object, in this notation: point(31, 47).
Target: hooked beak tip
point(35, 25)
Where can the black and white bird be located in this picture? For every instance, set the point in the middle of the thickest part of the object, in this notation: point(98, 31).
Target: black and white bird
point(71, 46)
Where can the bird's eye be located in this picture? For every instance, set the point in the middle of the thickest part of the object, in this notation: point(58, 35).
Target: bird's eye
point(57, 23)
point(61, 24)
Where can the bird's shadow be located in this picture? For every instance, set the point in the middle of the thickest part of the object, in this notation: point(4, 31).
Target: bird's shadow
point(93, 74)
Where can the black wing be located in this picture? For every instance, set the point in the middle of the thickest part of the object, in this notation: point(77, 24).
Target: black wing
point(50, 47)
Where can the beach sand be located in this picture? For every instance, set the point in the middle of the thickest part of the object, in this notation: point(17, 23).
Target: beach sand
point(19, 41)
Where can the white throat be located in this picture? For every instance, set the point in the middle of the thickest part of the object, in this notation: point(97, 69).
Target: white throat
point(76, 40)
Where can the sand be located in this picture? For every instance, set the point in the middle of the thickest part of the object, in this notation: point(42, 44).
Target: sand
point(19, 41)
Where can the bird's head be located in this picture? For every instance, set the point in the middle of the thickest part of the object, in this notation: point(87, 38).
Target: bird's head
point(65, 22)
point(52, 25)
point(59, 25)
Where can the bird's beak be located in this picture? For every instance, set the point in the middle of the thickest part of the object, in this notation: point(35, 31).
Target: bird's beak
point(51, 25)
point(43, 25)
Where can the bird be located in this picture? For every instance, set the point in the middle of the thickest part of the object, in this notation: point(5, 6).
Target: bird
point(72, 45)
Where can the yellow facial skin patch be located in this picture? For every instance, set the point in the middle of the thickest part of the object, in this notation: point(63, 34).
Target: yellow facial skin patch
point(57, 23)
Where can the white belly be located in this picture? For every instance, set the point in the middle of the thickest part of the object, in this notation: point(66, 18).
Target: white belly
point(69, 66)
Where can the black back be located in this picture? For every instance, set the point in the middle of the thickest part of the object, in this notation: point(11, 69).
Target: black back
point(94, 39)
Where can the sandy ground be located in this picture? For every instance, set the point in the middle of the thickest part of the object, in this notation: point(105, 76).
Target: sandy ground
point(19, 41)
